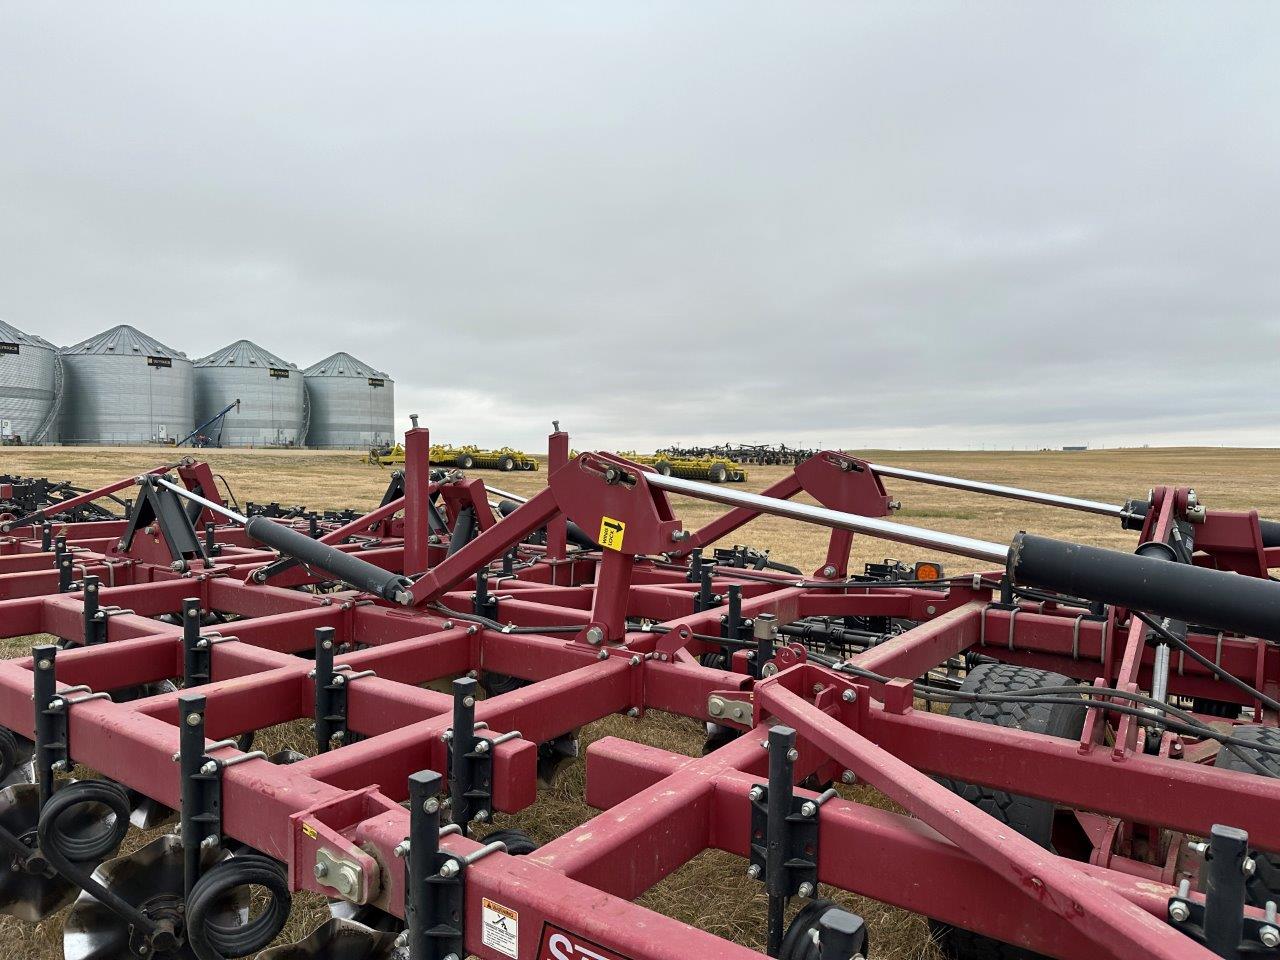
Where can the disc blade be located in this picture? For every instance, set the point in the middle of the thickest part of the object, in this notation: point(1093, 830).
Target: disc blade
point(151, 880)
point(25, 892)
point(337, 939)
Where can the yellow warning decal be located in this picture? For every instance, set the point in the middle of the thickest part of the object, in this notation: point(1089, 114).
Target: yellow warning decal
point(309, 830)
point(611, 533)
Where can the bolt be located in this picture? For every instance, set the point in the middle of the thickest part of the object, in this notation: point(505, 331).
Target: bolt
point(193, 719)
point(431, 805)
point(177, 566)
point(402, 939)
point(808, 808)
point(595, 636)
point(931, 609)
point(602, 655)
point(633, 712)
point(473, 674)
point(327, 644)
point(449, 868)
point(848, 776)
point(482, 746)
point(468, 701)
point(793, 754)
point(322, 871)
point(482, 815)
point(818, 688)
point(209, 769)
point(401, 849)
point(849, 696)
point(45, 664)
point(1178, 912)
point(1198, 846)
point(209, 842)
point(715, 707)
point(753, 871)
point(806, 889)
point(635, 661)
point(339, 679)
point(1248, 866)
point(756, 793)
point(1269, 936)
point(339, 735)
point(828, 571)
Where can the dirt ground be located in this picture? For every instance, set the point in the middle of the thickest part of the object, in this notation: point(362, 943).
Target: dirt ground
point(712, 892)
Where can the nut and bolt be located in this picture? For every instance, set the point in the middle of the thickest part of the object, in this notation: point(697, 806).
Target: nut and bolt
point(322, 871)
point(595, 636)
point(715, 707)
point(806, 889)
point(468, 701)
point(1269, 936)
point(808, 808)
point(1178, 912)
point(602, 655)
point(753, 871)
point(449, 868)
point(848, 776)
point(431, 805)
point(633, 712)
point(755, 793)
point(209, 769)
point(793, 754)
point(635, 661)
point(849, 696)
point(402, 849)
point(193, 719)
point(828, 571)
point(1248, 866)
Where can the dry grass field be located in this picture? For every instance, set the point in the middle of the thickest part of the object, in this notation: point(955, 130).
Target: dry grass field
point(712, 892)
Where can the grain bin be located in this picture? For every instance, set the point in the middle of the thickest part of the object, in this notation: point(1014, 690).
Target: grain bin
point(352, 405)
point(269, 389)
point(123, 387)
point(30, 387)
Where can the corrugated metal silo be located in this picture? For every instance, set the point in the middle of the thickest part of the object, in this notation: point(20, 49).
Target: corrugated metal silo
point(123, 387)
point(30, 387)
point(270, 391)
point(352, 406)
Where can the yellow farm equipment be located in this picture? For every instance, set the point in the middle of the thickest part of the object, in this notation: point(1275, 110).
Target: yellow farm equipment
point(715, 469)
point(473, 458)
point(392, 453)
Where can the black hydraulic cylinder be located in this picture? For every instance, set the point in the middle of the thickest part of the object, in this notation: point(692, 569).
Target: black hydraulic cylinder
point(341, 566)
point(573, 532)
point(1198, 595)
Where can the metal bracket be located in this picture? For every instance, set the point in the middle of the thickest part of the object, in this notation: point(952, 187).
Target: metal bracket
point(95, 618)
point(470, 764)
point(1220, 922)
point(720, 708)
point(433, 903)
point(483, 603)
point(197, 666)
point(784, 834)
point(52, 751)
point(201, 789)
point(331, 695)
point(337, 873)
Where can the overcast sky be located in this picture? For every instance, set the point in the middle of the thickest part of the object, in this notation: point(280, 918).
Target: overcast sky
point(852, 224)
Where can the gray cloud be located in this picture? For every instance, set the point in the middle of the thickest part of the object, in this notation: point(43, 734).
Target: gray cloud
point(860, 224)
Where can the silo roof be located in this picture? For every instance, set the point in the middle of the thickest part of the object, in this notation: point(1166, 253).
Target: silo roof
point(244, 353)
point(342, 364)
point(124, 340)
point(11, 334)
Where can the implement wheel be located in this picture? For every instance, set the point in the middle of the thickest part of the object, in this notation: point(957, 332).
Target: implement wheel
point(663, 467)
point(1264, 884)
point(1030, 817)
point(507, 464)
point(718, 473)
point(465, 461)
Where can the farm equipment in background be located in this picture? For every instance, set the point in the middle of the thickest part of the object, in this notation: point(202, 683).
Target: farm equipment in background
point(201, 440)
point(387, 455)
point(473, 458)
point(714, 469)
point(1103, 784)
point(751, 453)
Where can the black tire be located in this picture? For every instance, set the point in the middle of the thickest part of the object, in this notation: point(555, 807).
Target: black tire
point(465, 461)
point(1030, 817)
point(1216, 708)
point(718, 473)
point(519, 843)
point(1264, 885)
point(507, 464)
point(798, 942)
point(663, 467)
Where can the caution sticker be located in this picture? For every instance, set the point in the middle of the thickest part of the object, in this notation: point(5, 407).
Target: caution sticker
point(500, 928)
point(611, 533)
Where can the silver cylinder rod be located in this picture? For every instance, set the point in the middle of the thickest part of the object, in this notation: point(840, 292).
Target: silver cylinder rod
point(998, 490)
point(836, 519)
point(505, 494)
point(188, 495)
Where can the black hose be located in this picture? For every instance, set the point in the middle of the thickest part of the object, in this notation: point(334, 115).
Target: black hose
point(1173, 639)
point(210, 940)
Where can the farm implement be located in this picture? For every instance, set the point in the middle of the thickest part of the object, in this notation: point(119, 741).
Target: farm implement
point(1100, 784)
point(713, 469)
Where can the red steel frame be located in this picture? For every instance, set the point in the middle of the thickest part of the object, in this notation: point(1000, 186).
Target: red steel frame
point(941, 857)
